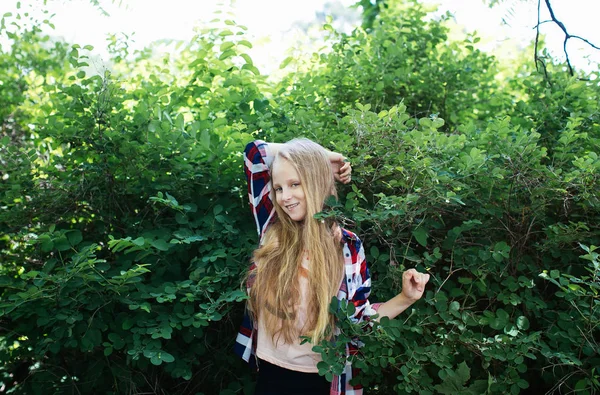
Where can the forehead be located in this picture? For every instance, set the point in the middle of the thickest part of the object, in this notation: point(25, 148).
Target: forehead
point(283, 171)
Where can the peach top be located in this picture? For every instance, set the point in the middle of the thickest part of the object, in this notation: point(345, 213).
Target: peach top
point(298, 357)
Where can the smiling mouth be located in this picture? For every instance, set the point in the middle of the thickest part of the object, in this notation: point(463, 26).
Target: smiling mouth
point(292, 206)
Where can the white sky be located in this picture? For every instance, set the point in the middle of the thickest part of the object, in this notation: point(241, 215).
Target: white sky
point(270, 22)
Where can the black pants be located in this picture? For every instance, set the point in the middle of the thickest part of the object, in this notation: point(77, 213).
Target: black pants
point(275, 380)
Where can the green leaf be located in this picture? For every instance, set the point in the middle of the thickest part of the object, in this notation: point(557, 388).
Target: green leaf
point(161, 356)
point(454, 308)
point(245, 43)
point(170, 289)
point(160, 244)
point(226, 45)
point(251, 68)
point(127, 324)
point(46, 243)
point(205, 139)
point(374, 252)
point(437, 123)
point(181, 219)
point(286, 62)
point(463, 372)
point(522, 323)
point(421, 236)
point(74, 237)
point(523, 384)
point(165, 356)
point(62, 243)
point(247, 58)
point(227, 54)
point(425, 122)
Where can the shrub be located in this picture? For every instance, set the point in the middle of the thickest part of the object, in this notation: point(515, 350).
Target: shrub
point(125, 231)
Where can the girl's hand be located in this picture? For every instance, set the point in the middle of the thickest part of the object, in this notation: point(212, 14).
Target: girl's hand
point(340, 166)
point(413, 284)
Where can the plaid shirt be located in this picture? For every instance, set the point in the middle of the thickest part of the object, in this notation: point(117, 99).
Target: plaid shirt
point(355, 287)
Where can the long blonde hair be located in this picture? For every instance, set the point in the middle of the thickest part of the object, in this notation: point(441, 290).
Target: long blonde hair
point(275, 284)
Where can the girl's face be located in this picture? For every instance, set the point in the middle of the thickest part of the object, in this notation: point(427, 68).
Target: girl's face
point(289, 193)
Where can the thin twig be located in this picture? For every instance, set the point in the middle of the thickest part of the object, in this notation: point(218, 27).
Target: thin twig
point(542, 22)
point(567, 35)
point(450, 273)
point(537, 38)
point(586, 41)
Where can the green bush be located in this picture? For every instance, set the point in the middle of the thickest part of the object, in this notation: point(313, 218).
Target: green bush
point(126, 232)
point(124, 246)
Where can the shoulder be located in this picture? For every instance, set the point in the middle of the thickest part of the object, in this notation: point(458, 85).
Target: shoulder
point(351, 240)
point(349, 237)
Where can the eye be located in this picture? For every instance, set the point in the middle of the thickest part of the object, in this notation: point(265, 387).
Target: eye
point(278, 189)
point(296, 184)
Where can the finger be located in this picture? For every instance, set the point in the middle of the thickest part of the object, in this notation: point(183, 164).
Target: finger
point(423, 280)
point(408, 279)
point(335, 157)
point(414, 277)
point(419, 284)
point(345, 173)
point(417, 278)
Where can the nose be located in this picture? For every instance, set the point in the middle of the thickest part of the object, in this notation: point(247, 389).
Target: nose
point(286, 194)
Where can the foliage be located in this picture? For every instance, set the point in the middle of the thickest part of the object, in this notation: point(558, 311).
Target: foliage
point(480, 214)
point(125, 232)
point(405, 58)
point(122, 244)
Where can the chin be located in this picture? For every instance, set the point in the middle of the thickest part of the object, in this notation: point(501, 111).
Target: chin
point(297, 217)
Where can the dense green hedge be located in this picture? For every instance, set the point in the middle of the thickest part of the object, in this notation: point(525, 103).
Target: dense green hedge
point(125, 229)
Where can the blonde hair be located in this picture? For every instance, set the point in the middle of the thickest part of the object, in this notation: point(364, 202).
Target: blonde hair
point(276, 275)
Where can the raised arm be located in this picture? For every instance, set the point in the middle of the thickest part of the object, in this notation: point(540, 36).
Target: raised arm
point(413, 286)
point(258, 156)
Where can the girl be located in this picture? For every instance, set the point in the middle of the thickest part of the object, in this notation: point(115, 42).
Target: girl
point(300, 265)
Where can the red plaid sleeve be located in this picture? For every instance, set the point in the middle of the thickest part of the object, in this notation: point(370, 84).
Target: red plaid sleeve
point(258, 176)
